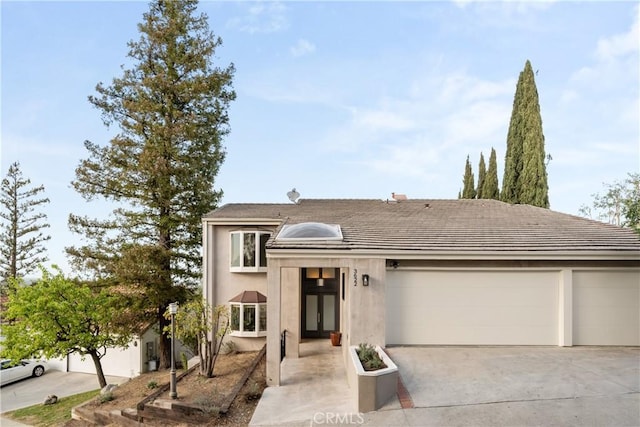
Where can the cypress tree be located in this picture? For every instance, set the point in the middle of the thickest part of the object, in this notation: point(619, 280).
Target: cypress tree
point(525, 175)
point(490, 186)
point(534, 189)
point(513, 155)
point(468, 189)
point(482, 172)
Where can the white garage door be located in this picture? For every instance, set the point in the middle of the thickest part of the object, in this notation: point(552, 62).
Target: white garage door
point(606, 308)
point(472, 307)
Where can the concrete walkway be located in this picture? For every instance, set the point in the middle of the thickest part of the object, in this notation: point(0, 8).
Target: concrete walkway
point(311, 386)
point(465, 386)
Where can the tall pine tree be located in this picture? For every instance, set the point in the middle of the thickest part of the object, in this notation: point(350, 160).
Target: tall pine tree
point(525, 175)
point(171, 108)
point(490, 188)
point(482, 172)
point(22, 239)
point(468, 188)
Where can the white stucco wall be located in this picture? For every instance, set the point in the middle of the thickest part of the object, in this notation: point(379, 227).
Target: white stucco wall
point(116, 362)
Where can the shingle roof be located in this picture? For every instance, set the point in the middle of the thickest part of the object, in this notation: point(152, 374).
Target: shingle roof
point(439, 225)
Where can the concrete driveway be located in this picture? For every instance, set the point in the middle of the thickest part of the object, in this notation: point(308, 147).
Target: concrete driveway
point(517, 386)
point(32, 391)
point(465, 386)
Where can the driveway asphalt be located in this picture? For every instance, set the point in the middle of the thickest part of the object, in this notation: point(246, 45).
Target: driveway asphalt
point(32, 391)
point(467, 386)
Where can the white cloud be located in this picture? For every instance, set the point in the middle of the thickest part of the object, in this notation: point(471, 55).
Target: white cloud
point(382, 121)
point(302, 47)
point(449, 117)
point(509, 6)
point(261, 17)
point(612, 79)
point(620, 44)
point(460, 87)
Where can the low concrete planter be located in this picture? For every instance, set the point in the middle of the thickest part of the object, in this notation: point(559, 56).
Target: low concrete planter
point(372, 389)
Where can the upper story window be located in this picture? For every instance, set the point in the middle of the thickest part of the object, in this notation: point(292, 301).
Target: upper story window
point(248, 253)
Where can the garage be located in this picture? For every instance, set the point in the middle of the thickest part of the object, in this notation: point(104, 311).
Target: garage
point(606, 307)
point(117, 362)
point(472, 307)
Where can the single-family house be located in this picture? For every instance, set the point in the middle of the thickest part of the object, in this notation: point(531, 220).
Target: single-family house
point(419, 272)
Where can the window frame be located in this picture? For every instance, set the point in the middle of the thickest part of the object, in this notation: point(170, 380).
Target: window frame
point(259, 253)
point(259, 308)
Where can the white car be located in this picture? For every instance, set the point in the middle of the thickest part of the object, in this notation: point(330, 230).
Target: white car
point(11, 371)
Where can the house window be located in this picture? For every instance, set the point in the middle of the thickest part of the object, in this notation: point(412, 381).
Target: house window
point(248, 252)
point(248, 319)
point(249, 314)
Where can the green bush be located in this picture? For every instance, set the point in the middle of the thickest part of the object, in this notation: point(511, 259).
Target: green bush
point(152, 384)
point(369, 357)
point(185, 361)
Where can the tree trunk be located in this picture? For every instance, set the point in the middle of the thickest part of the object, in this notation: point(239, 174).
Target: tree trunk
point(165, 342)
point(96, 361)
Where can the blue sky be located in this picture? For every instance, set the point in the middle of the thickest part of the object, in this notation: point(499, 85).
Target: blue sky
point(341, 99)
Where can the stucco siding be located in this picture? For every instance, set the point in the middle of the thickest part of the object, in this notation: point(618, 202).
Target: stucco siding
point(117, 362)
point(224, 285)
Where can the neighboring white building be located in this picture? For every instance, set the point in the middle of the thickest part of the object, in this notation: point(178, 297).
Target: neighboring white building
point(130, 362)
point(420, 272)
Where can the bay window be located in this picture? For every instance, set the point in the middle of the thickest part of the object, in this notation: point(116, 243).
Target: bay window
point(248, 314)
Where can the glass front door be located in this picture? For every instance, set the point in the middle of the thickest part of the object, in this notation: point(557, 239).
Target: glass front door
point(320, 315)
point(320, 309)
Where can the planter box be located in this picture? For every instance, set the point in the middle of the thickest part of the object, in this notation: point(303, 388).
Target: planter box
point(373, 389)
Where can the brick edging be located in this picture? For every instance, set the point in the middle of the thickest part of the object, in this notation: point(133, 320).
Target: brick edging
point(406, 402)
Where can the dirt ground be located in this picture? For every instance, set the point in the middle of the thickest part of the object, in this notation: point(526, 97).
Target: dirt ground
point(207, 393)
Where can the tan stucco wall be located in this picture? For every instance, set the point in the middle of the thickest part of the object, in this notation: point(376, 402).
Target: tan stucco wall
point(366, 305)
point(222, 284)
point(290, 309)
point(361, 311)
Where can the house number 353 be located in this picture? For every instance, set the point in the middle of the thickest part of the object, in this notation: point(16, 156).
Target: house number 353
point(355, 277)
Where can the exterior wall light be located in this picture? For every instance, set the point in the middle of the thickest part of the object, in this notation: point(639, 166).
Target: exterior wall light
point(365, 280)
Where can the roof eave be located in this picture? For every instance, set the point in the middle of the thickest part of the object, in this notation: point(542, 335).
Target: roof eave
point(622, 254)
point(242, 221)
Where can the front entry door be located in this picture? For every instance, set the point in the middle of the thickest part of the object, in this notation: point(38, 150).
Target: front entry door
point(320, 315)
point(320, 307)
